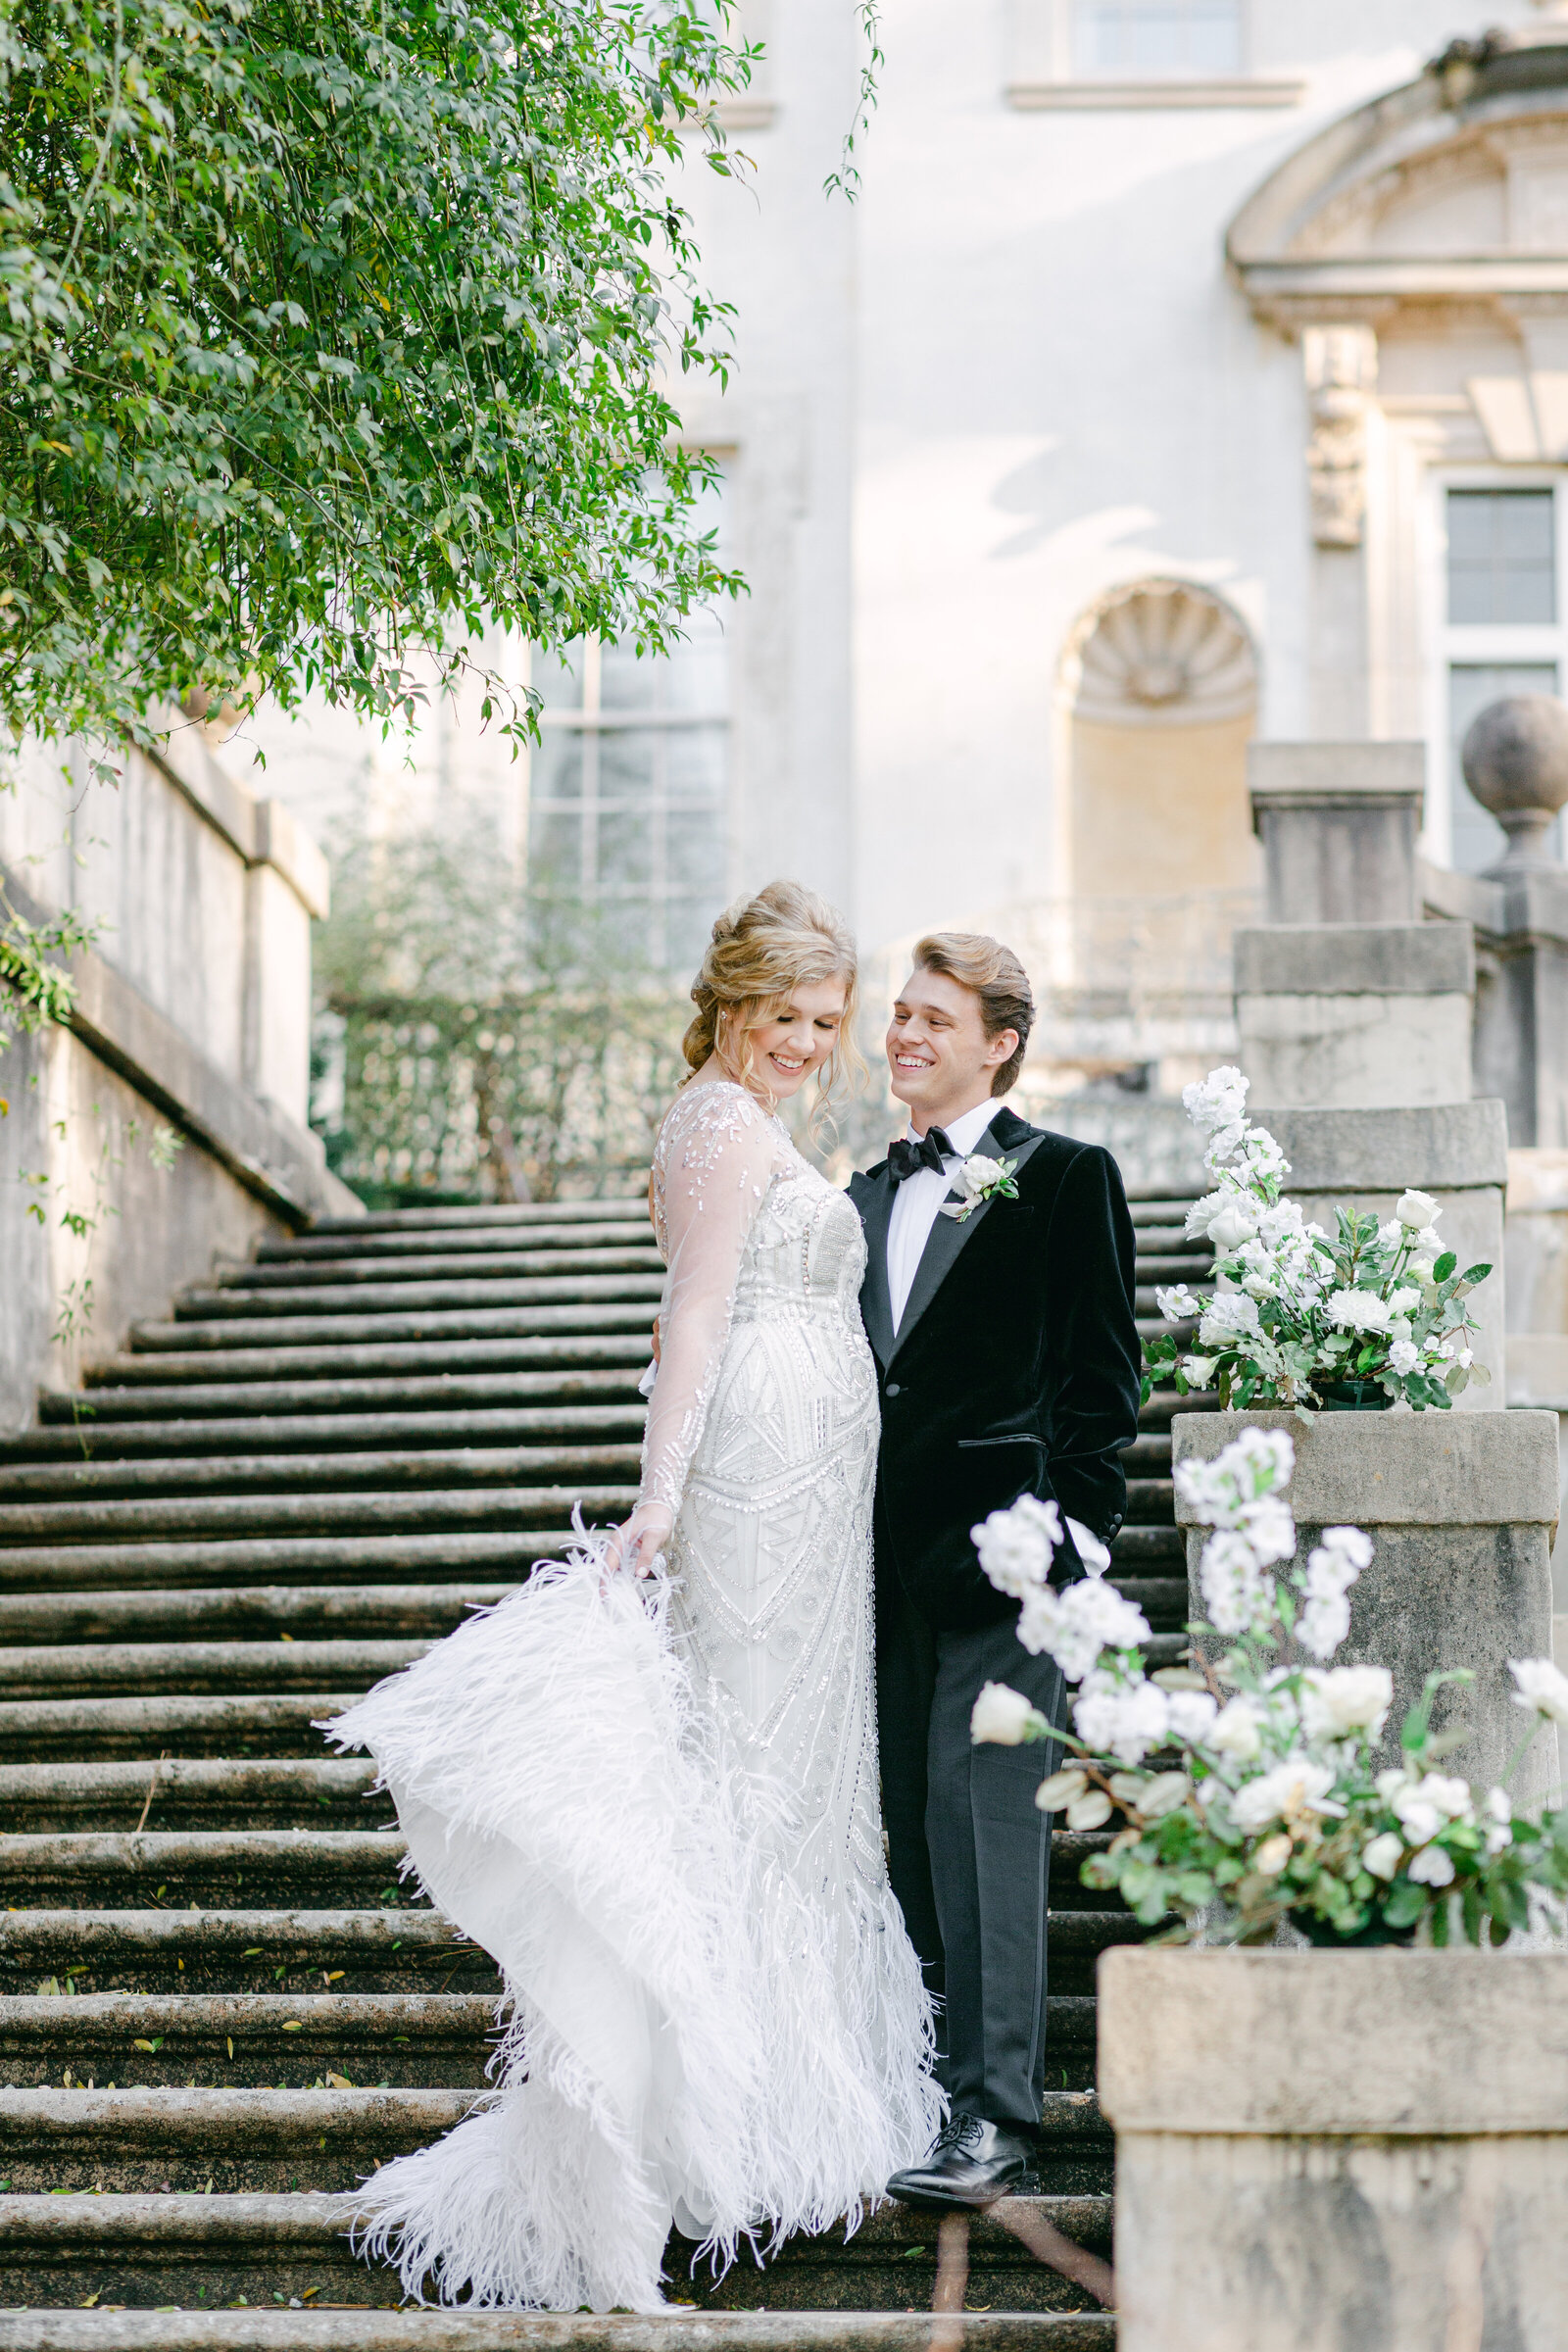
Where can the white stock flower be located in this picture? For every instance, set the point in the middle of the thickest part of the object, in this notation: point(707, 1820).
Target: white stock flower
point(1281, 1223)
point(1262, 1158)
point(1542, 1688)
point(1075, 1625)
point(1298, 1785)
point(1192, 1715)
point(1236, 1592)
point(1432, 1867)
point(1331, 1567)
point(1178, 1303)
point(1455, 1351)
point(1346, 1699)
point(1359, 1310)
point(1416, 1210)
point(1499, 1820)
point(1403, 1356)
point(1382, 1856)
point(1126, 1718)
point(1259, 1287)
point(1237, 1731)
point(1015, 1545)
point(1256, 1464)
point(1217, 1100)
point(1227, 1320)
point(1001, 1715)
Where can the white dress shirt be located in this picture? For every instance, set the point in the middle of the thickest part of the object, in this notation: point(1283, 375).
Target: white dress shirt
point(915, 1205)
point(917, 1200)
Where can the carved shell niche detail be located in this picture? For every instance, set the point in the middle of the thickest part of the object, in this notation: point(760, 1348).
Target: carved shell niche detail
point(1163, 653)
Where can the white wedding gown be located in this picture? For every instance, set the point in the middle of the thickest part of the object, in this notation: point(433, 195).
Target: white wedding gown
point(655, 1802)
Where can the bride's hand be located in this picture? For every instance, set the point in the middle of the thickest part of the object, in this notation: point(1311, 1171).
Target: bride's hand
point(636, 1545)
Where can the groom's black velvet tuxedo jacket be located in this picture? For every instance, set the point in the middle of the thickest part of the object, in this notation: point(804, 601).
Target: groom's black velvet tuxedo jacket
point(1015, 1370)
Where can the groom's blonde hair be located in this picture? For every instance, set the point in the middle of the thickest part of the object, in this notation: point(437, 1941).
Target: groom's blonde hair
point(998, 979)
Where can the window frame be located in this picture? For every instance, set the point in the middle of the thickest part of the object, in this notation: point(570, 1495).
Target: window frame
point(1480, 644)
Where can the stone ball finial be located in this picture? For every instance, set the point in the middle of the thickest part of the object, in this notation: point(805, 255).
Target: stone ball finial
point(1515, 760)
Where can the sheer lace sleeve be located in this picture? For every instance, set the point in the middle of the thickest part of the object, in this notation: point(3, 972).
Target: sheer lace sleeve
point(713, 1166)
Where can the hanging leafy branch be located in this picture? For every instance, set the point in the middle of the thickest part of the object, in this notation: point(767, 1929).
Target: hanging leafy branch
point(330, 332)
point(845, 181)
point(33, 988)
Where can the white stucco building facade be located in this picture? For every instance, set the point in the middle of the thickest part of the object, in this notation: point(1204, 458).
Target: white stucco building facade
point(1185, 369)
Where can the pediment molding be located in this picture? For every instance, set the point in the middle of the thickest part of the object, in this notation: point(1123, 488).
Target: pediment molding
point(1321, 237)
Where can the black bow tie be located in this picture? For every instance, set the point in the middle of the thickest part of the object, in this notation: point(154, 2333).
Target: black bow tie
point(907, 1157)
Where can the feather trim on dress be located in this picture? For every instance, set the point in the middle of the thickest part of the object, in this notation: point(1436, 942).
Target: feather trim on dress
point(691, 2039)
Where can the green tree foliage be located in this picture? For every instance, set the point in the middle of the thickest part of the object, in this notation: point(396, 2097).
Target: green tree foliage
point(333, 329)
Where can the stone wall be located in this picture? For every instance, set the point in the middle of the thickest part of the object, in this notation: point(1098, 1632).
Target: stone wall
point(192, 1015)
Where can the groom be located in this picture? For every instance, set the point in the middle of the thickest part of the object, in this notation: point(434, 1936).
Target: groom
point(1008, 1363)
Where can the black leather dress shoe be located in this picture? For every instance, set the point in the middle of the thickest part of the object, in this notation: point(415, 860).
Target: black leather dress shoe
point(973, 2164)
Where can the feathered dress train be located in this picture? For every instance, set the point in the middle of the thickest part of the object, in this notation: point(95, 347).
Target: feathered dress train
point(655, 1803)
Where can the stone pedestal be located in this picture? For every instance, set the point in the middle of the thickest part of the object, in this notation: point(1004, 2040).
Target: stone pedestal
point(1338, 2151)
point(1363, 1159)
point(1338, 822)
point(1462, 1508)
point(1356, 1015)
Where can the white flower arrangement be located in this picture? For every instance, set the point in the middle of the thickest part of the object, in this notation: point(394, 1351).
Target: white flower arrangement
point(1299, 1313)
point(982, 1179)
point(1247, 1784)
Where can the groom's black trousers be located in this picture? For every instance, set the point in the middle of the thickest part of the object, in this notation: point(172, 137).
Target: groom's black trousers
point(969, 1850)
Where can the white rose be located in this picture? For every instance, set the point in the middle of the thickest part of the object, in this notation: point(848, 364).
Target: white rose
point(1233, 1224)
point(1404, 1301)
point(977, 1172)
point(1542, 1688)
point(1346, 1699)
point(1001, 1715)
point(1192, 1714)
point(1298, 1786)
point(1416, 1210)
point(1432, 1867)
point(1382, 1856)
point(1235, 1731)
point(1198, 1370)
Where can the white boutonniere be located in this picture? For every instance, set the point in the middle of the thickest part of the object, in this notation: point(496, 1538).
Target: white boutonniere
point(982, 1179)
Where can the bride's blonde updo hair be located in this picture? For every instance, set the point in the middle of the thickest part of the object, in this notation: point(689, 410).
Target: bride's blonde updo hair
point(763, 950)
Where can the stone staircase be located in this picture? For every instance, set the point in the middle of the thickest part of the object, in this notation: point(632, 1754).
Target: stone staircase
point(216, 2001)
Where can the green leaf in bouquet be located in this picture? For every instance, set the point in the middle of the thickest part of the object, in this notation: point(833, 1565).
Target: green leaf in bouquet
point(1474, 1274)
point(1195, 1887)
point(1470, 1911)
point(1403, 1903)
point(1444, 1265)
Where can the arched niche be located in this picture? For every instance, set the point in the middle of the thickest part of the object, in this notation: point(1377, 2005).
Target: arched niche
point(1162, 683)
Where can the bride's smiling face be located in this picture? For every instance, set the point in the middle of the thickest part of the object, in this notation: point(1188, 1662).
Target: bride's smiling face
point(795, 1039)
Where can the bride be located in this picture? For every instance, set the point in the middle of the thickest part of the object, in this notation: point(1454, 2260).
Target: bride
point(647, 1783)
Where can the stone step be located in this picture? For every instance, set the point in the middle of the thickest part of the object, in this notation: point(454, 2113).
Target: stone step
point(1148, 1457)
point(268, 2138)
point(223, 2039)
point(259, 1613)
point(1151, 1502)
point(1163, 1599)
point(349, 1560)
point(466, 1274)
point(501, 1214)
point(175, 1398)
point(91, 1443)
point(296, 1474)
point(315, 1247)
point(1164, 1404)
point(197, 1792)
point(251, 2139)
point(400, 1298)
point(101, 1670)
point(67, 1953)
point(397, 1369)
point(1177, 1266)
point(99, 1524)
point(1158, 1240)
point(255, 1336)
point(264, 2250)
point(216, 1868)
point(46, 1730)
point(1141, 1550)
point(128, 2041)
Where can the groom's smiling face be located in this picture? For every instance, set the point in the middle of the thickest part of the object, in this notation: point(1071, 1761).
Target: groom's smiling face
point(941, 1061)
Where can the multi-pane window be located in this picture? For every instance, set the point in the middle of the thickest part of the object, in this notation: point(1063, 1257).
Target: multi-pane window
point(1502, 635)
point(629, 791)
point(1501, 556)
point(1158, 37)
